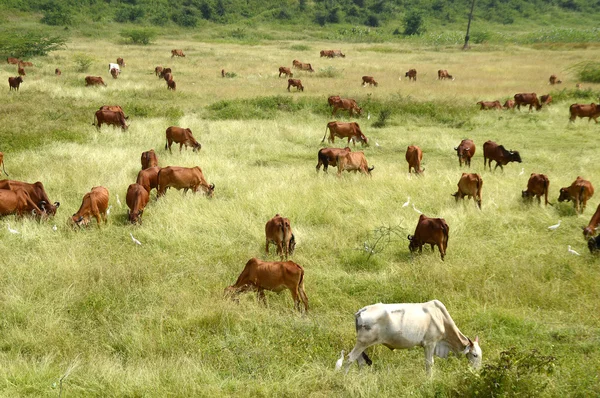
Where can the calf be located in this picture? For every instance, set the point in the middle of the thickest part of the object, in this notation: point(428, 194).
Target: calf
point(14, 61)
point(469, 185)
point(411, 74)
point(182, 137)
point(536, 187)
point(591, 111)
point(443, 74)
point(121, 62)
point(21, 71)
point(285, 71)
point(94, 204)
point(14, 83)
point(302, 66)
point(149, 159)
point(465, 151)
point(295, 83)
point(345, 130)
point(178, 53)
point(137, 199)
point(414, 155)
point(185, 178)
point(509, 104)
point(579, 192)
point(158, 70)
point(57, 72)
point(554, 80)
point(433, 231)
point(485, 105)
point(279, 231)
point(368, 80)
point(530, 99)
point(110, 118)
point(346, 104)
point(148, 178)
point(163, 72)
point(590, 230)
point(94, 81)
point(328, 157)
point(114, 73)
point(493, 151)
point(353, 161)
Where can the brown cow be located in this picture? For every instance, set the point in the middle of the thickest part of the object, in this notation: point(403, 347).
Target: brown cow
point(295, 83)
point(338, 53)
point(36, 193)
point(113, 108)
point(178, 53)
point(21, 71)
point(114, 73)
point(94, 204)
point(493, 151)
point(185, 178)
point(2, 163)
point(14, 61)
point(25, 63)
point(591, 111)
point(182, 137)
point(137, 199)
point(110, 118)
point(148, 178)
point(546, 99)
point(222, 72)
point(443, 74)
point(171, 85)
point(346, 104)
point(469, 185)
point(353, 161)
point(369, 80)
point(509, 104)
point(530, 99)
point(349, 130)
point(94, 81)
point(536, 187)
point(14, 83)
point(332, 99)
point(158, 70)
point(590, 230)
point(433, 231)
point(465, 151)
point(164, 71)
point(149, 159)
point(579, 192)
point(121, 62)
point(57, 72)
point(285, 71)
point(279, 231)
point(274, 276)
point(302, 66)
point(328, 157)
point(411, 74)
point(327, 53)
point(168, 77)
point(17, 202)
point(414, 155)
point(485, 105)
point(554, 80)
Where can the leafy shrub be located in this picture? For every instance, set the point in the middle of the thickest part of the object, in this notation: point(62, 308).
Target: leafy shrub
point(320, 18)
point(160, 18)
point(300, 47)
point(230, 74)
point(329, 71)
point(27, 43)
point(372, 20)
point(238, 33)
point(588, 72)
point(206, 10)
point(83, 61)
point(480, 37)
point(139, 36)
point(57, 16)
point(128, 13)
point(382, 119)
point(186, 17)
point(414, 23)
point(333, 16)
point(573, 94)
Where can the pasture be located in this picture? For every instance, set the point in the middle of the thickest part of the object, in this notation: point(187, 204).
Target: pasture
point(117, 319)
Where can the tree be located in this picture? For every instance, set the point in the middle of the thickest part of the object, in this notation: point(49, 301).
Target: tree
point(466, 46)
point(413, 23)
point(26, 43)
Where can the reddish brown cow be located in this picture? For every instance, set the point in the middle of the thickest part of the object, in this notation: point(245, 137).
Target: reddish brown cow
point(295, 83)
point(328, 157)
point(148, 178)
point(327, 53)
point(113, 108)
point(21, 71)
point(110, 118)
point(469, 185)
point(332, 99)
point(411, 74)
point(369, 80)
point(182, 137)
point(14, 83)
point(536, 187)
point(114, 73)
point(158, 70)
point(590, 230)
point(509, 104)
point(171, 85)
point(17, 202)
point(94, 81)
point(94, 204)
point(279, 231)
point(137, 199)
point(149, 159)
point(302, 66)
point(178, 53)
point(579, 192)
point(443, 74)
point(14, 61)
point(591, 111)
point(2, 163)
point(274, 276)
point(546, 99)
point(285, 71)
point(530, 99)
point(433, 231)
point(163, 72)
point(493, 151)
point(414, 155)
point(185, 178)
point(121, 62)
point(57, 72)
point(346, 104)
point(465, 151)
point(36, 193)
point(554, 80)
point(485, 105)
point(349, 130)
point(353, 161)
point(168, 77)
point(222, 72)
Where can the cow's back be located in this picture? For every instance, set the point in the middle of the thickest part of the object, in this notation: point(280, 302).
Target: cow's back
point(148, 178)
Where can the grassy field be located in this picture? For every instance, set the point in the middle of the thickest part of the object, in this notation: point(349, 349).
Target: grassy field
point(116, 319)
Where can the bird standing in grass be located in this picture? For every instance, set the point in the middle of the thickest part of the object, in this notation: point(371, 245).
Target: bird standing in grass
point(137, 242)
point(119, 201)
point(340, 362)
point(417, 210)
point(572, 251)
point(12, 231)
point(555, 226)
point(407, 202)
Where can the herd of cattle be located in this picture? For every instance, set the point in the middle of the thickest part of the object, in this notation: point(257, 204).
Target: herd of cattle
point(426, 324)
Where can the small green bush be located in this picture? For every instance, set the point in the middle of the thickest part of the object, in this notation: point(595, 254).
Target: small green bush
point(57, 16)
point(28, 43)
point(588, 72)
point(142, 36)
point(83, 61)
point(300, 47)
point(329, 71)
point(414, 23)
point(382, 119)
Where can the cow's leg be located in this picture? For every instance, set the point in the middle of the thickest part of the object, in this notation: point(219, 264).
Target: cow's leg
point(260, 294)
point(279, 248)
point(267, 247)
point(429, 349)
point(98, 219)
point(181, 146)
point(357, 354)
point(303, 295)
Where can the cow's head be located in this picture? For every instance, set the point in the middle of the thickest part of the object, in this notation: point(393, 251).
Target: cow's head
point(210, 191)
point(135, 216)
point(413, 244)
point(593, 244)
point(473, 353)
point(79, 220)
point(514, 156)
point(526, 194)
point(197, 146)
point(49, 209)
point(564, 195)
point(589, 232)
point(310, 68)
point(363, 139)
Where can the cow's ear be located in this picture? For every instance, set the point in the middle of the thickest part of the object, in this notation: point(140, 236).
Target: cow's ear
point(477, 339)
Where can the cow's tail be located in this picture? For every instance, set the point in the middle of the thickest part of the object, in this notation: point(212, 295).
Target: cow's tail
point(367, 359)
point(95, 120)
point(147, 156)
point(326, 127)
point(478, 198)
point(283, 231)
point(300, 287)
point(445, 230)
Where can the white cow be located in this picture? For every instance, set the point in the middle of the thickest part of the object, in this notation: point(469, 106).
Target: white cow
point(115, 66)
point(428, 325)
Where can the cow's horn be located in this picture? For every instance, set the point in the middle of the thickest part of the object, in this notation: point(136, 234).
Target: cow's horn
point(212, 186)
point(57, 204)
point(80, 218)
point(456, 148)
point(410, 237)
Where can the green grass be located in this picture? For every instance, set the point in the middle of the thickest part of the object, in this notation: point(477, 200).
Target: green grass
point(152, 320)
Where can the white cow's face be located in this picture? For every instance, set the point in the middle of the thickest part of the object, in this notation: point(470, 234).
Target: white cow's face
point(474, 354)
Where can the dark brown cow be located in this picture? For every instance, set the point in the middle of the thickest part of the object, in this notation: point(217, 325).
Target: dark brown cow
point(223, 73)
point(57, 72)
point(94, 81)
point(178, 53)
point(149, 159)
point(295, 83)
point(185, 178)
point(443, 74)
point(590, 230)
point(14, 83)
point(94, 204)
point(36, 193)
point(279, 231)
point(114, 73)
point(493, 151)
point(509, 104)
point(110, 118)
point(349, 130)
point(327, 53)
point(591, 111)
point(158, 70)
point(164, 71)
point(346, 104)
point(148, 178)
point(168, 77)
point(579, 192)
point(530, 99)
point(414, 155)
point(546, 99)
point(121, 62)
point(353, 161)
point(465, 151)
point(332, 99)
point(411, 74)
point(17, 202)
point(369, 80)
point(2, 163)
point(171, 85)
point(469, 185)
point(328, 157)
point(433, 231)
point(485, 105)
point(21, 71)
point(182, 137)
point(113, 108)
point(302, 66)
point(285, 71)
point(137, 199)
point(554, 80)
point(14, 61)
point(274, 276)
point(536, 187)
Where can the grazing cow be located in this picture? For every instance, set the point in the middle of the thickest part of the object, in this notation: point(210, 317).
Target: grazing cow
point(590, 230)
point(546, 99)
point(57, 72)
point(408, 325)
point(328, 157)
point(279, 231)
point(149, 159)
point(295, 83)
point(338, 53)
point(591, 111)
point(349, 130)
point(485, 105)
point(465, 151)
point(114, 73)
point(171, 85)
point(554, 80)
point(414, 155)
point(443, 74)
point(164, 71)
point(158, 70)
point(178, 53)
point(469, 185)
point(94, 81)
point(346, 104)
point(536, 187)
point(137, 199)
point(327, 53)
point(2, 163)
point(185, 178)
point(14, 61)
point(14, 83)
point(110, 118)
point(182, 137)
point(579, 192)
point(493, 151)
point(285, 71)
point(112, 66)
point(332, 99)
point(113, 108)
point(433, 231)
point(530, 99)
point(594, 244)
point(168, 77)
point(148, 178)
point(369, 80)
point(25, 63)
point(17, 202)
point(411, 74)
point(274, 276)
point(21, 71)
point(302, 66)
point(353, 161)
point(509, 104)
point(94, 204)
point(36, 193)
point(121, 62)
